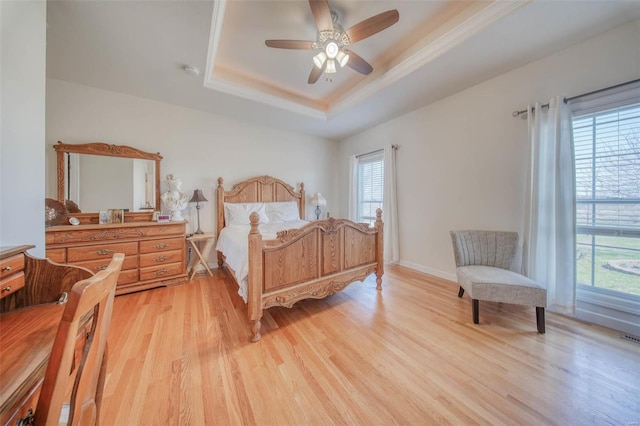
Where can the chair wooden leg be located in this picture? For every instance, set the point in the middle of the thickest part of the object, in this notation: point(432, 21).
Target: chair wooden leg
point(540, 319)
point(476, 313)
point(460, 292)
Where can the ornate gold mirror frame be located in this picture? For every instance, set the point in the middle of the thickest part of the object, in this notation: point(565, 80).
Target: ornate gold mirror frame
point(104, 149)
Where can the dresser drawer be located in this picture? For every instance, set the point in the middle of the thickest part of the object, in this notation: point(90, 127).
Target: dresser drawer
point(11, 284)
point(95, 266)
point(103, 251)
point(151, 259)
point(168, 230)
point(128, 277)
point(57, 255)
point(11, 265)
point(162, 245)
point(160, 271)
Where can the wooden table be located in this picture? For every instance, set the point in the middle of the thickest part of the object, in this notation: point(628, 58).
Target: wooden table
point(26, 339)
point(194, 239)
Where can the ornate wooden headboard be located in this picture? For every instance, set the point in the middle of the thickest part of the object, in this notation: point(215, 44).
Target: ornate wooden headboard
point(260, 189)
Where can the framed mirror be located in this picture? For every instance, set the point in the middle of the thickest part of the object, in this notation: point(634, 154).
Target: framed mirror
point(98, 176)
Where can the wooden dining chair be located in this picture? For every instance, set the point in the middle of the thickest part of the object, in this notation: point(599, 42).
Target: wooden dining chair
point(72, 387)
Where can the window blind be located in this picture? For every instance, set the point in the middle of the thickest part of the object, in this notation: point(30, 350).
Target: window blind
point(607, 160)
point(370, 185)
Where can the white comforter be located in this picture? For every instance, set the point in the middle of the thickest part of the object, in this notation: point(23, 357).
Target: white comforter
point(233, 242)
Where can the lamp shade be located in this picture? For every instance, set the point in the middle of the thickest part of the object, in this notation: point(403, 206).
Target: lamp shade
point(198, 197)
point(318, 200)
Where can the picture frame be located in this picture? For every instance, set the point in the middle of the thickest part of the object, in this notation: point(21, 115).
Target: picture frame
point(164, 218)
point(116, 215)
point(103, 217)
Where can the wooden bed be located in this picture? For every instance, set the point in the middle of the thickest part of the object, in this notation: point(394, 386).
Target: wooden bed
point(314, 261)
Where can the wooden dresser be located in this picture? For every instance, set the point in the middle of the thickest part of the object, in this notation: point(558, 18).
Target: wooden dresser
point(155, 253)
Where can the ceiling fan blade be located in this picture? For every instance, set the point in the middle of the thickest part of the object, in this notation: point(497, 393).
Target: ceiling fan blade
point(357, 63)
point(373, 25)
point(289, 44)
point(316, 73)
point(321, 14)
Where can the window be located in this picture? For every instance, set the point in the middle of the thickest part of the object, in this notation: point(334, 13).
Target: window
point(370, 186)
point(607, 161)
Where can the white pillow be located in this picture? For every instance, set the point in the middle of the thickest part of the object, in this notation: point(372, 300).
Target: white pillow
point(283, 211)
point(238, 213)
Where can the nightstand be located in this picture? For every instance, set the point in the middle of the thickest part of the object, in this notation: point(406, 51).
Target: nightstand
point(205, 241)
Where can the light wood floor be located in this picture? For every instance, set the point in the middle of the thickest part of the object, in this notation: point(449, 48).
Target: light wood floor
point(407, 355)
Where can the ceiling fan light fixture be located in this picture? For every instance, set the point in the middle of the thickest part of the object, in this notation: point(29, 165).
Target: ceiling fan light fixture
point(342, 58)
point(330, 45)
point(331, 66)
point(319, 59)
point(332, 49)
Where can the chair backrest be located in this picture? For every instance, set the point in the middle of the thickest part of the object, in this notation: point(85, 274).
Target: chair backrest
point(73, 372)
point(486, 248)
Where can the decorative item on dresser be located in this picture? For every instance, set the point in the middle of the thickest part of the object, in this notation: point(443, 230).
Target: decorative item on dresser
point(174, 200)
point(314, 260)
point(155, 253)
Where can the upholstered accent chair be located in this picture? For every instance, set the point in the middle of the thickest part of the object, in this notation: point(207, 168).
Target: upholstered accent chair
point(483, 268)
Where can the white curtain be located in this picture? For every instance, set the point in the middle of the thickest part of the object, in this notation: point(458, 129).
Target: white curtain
point(390, 206)
point(353, 187)
point(549, 251)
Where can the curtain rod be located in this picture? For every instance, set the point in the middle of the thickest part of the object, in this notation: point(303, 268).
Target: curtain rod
point(395, 147)
point(573, 98)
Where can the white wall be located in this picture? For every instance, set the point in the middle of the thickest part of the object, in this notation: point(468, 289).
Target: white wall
point(462, 162)
point(197, 147)
point(22, 123)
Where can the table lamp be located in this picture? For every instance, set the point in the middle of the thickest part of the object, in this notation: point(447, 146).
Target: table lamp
point(318, 200)
point(198, 198)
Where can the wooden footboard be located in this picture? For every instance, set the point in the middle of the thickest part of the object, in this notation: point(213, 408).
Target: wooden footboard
point(314, 261)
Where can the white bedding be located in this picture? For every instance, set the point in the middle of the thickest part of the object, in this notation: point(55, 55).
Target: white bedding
point(233, 242)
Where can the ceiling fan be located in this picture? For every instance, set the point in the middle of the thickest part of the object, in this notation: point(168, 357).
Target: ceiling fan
point(332, 40)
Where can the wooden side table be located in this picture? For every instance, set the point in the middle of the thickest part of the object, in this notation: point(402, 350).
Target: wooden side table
point(209, 239)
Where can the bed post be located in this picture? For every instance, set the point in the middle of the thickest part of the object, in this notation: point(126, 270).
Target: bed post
point(220, 215)
point(254, 296)
point(379, 249)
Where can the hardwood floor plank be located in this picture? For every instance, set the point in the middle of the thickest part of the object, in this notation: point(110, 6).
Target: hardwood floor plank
point(407, 355)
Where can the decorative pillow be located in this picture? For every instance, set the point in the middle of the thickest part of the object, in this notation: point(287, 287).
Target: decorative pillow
point(238, 213)
point(284, 211)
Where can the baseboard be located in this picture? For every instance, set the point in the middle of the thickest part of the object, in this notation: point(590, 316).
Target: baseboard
point(431, 271)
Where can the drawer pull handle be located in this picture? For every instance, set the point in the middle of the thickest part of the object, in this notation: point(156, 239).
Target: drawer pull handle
point(161, 245)
point(161, 272)
point(7, 288)
point(104, 251)
point(6, 268)
point(161, 258)
point(101, 267)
